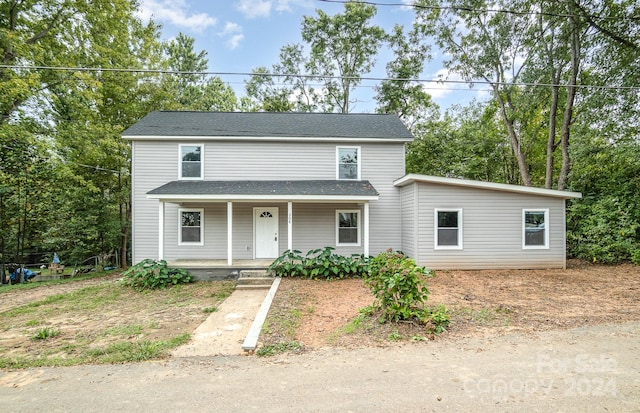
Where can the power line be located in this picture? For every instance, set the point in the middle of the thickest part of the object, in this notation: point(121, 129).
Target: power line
point(480, 11)
point(305, 76)
point(65, 161)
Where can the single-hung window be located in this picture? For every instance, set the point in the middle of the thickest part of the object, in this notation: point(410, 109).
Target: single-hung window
point(535, 228)
point(191, 162)
point(348, 162)
point(348, 227)
point(448, 229)
point(191, 231)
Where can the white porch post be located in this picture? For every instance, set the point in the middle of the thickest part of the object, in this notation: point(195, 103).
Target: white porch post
point(160, 230)
point(366, 228)
point(289, 226)
point(229, 233)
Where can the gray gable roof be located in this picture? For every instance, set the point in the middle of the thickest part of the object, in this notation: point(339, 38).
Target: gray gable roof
point(269, 125)
point(268, 188)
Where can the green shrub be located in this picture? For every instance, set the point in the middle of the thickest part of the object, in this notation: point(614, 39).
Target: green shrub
point(320, 263)
point(152, 274)
point(399, 286)
point(439, 319)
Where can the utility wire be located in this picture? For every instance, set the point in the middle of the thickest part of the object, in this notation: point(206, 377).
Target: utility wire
point(299, 75)
point(481, 11)
point(96, 168)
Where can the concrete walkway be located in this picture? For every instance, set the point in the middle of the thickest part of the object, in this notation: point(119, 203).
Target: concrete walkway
point(223, 332)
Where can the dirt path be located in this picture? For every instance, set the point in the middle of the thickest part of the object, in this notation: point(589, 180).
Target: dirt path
point(576, 370)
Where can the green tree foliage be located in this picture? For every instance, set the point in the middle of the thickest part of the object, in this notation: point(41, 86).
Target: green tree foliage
point(342, 48)
point(604, 226)
point(192, 90)
point(529, 43)
point(467, 143)
point(64, 166)
point(400, 94)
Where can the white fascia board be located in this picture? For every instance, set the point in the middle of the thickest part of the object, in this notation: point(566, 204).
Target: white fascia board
point(411, 178)
point(263, 138)
point(249, 198)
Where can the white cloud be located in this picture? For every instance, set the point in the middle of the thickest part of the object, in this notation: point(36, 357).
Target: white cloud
point(286, 5)
point(232, 32)
point(252, 9)
point(255, 8)
point(440, 90)
point(175, 12)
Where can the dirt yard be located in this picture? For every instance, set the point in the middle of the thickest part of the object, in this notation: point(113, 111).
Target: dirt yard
point(88, 319)
point(482, 303)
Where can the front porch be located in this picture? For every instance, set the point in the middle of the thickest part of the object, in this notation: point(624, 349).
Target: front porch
point(248, 221)
point(208, 270)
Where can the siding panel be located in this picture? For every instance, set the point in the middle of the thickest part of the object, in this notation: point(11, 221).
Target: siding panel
point(492, 229)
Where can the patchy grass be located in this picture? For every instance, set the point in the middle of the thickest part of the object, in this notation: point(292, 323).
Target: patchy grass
point(103, 323)
point(282, 323)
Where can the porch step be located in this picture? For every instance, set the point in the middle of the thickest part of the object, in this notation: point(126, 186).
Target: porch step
point(254, 279)
point(253, 274)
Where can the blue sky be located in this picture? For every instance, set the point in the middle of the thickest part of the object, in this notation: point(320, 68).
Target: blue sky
point(240, 35)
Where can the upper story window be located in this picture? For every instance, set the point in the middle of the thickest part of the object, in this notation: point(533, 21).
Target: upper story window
point(448, 229)
point(535, 228)
point(348, 162)
point(191, 161)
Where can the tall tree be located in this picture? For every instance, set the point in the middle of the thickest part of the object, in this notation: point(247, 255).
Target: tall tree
point(70, 121)
point(400, 93)
point(191, 89)
point(341, 47)
point(505, 47)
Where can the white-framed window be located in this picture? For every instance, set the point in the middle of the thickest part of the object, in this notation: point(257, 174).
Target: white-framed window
point(191, 162)
point(191, 226)
point(348, 162)
point(447, 228)
point(348, 227)
point(535, 228)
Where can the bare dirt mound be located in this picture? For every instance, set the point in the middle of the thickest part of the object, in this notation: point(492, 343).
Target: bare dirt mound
point(482, 303)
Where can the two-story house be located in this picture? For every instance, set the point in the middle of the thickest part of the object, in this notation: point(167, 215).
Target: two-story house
point(248, 186)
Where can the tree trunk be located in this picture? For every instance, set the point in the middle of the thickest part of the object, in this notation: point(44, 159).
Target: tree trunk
point(571, 95)
point(515, 141)
point(551, 139)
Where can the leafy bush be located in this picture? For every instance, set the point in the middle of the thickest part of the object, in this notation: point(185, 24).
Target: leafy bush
point(320, 263)
point(603, 230)
point(152, 274)
point(399, 286)
point(439, 319)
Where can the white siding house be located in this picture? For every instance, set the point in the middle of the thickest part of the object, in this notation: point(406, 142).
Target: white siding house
point(245, 186)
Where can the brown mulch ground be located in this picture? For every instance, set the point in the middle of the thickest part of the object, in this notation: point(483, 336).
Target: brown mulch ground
point(482, 303)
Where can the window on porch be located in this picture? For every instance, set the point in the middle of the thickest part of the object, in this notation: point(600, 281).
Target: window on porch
point(191, 229)
point(348, 227)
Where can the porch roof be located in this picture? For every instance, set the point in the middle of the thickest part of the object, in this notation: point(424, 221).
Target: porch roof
point(294, 190)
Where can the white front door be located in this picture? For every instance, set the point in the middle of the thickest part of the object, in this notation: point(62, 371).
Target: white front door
point(266, 232)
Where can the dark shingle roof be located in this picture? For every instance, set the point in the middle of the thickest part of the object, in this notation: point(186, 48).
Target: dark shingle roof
point(270, 124)
point(261, 188)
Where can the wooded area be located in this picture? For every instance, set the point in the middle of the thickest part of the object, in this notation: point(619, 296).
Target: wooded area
point(563, 113)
